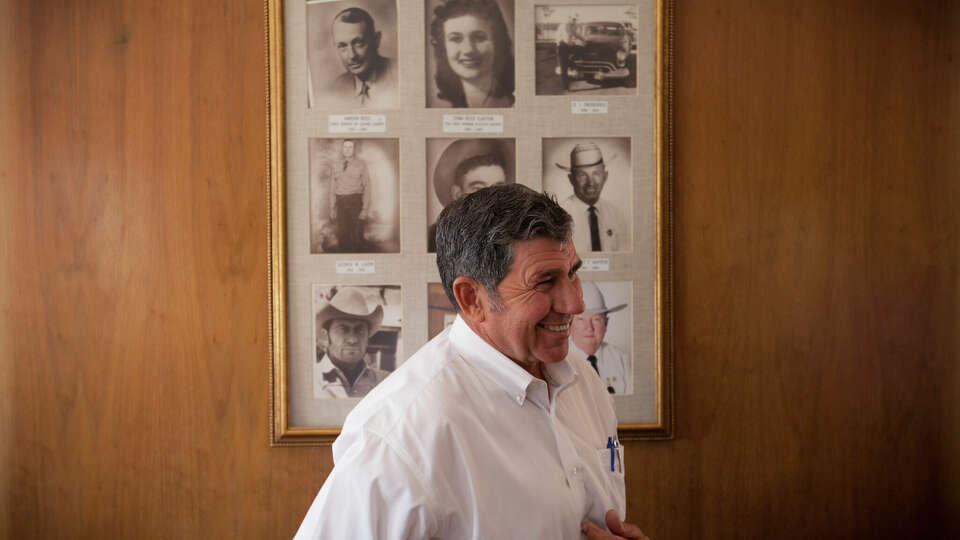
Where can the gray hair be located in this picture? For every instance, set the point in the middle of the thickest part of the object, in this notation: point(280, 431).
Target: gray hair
point(476, 233)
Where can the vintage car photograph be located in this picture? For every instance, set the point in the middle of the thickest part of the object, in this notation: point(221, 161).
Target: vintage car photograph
point(586, 49)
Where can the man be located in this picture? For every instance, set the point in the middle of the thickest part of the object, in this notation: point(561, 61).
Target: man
point(370, 80)
point(586, 336)
point(598, 225)
point(350, 199)
point(491, 430)
point(348, 324)
point(567, 41)
point(466, 166)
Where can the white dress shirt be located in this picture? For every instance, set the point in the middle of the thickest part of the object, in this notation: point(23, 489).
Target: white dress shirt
point(613, 365)
point(614, 233)
point(460, 442)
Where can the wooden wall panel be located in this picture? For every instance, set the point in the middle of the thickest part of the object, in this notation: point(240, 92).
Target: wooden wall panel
point(817, 276)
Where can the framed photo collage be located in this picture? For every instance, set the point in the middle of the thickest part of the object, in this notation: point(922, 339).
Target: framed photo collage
point(382, 112)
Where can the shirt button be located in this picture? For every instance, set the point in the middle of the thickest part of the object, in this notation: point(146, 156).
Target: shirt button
point(576, 470)
point(520, 400)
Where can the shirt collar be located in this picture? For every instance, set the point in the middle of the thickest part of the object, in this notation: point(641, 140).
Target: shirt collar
point(330, 370)
point(503, 371)
point(579, 204)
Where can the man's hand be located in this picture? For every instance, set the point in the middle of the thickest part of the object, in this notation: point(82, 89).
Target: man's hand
point(619, 529)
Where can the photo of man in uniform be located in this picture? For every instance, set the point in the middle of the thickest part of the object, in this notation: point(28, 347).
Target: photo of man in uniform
point(354, 195)
point(587, 337)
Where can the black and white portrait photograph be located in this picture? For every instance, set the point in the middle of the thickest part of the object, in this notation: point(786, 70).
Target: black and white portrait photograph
point(357, 338)
point(352, 55)
point(591, 178)
point(470, 53)
point(586, 49)
point(601, 334)
point(458, 167)
point(354, 195)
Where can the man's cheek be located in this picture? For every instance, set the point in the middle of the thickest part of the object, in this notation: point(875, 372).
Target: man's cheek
point(522, 297)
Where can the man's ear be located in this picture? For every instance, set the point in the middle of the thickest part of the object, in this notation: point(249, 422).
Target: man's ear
point(455, 192)
point(472, 299)
point(376, 41)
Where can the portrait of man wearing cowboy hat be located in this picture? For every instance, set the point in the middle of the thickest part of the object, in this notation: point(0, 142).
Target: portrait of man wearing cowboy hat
point(345, 324)
point(587, 335)
point(598, 222)
point(464, 166)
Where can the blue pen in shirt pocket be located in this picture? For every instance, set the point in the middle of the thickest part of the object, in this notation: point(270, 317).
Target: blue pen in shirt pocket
point(613, 445)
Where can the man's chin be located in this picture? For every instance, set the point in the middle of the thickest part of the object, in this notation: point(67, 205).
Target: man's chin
point(553, 355)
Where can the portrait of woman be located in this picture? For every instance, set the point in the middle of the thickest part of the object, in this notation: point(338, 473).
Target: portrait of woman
point(473, 59)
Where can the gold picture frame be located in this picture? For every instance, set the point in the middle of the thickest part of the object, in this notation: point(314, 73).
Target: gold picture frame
point(534, 121)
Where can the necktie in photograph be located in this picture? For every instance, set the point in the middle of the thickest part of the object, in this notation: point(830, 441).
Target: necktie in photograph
point(593, 362)
point(594, 229)
point(364, 92)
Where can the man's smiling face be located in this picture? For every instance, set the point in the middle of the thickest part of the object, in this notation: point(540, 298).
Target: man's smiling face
point(530, 319)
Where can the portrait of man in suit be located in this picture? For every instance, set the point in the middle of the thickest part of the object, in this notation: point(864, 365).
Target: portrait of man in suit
point(348, 68)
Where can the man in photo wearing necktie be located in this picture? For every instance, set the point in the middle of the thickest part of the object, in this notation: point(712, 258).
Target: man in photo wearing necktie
point(587, 335)
point(350, 199)
point(597, 224)
point(370, 80)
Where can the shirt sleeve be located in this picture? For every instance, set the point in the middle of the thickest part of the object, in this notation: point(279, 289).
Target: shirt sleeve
point(372, 492)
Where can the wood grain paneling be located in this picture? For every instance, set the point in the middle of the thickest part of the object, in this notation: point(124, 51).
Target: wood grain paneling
point(817, 276)
point(817, 273)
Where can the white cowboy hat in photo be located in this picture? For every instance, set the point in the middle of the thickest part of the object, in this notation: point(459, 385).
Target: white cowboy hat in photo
point(584, 155)
point(348, 303)
point(593, 300)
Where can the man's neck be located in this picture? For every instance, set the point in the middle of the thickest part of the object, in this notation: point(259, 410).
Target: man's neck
point(534, 368)
point(374, 65)
point(588, 348)
point(350, 371)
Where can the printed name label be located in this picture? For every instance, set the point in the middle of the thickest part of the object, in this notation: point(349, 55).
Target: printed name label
point(589, 107)
point(473, 123)
point(356, 267)
point(595, 264)
point(357, 123)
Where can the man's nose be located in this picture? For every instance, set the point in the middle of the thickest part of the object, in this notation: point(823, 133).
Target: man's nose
point(569, 298)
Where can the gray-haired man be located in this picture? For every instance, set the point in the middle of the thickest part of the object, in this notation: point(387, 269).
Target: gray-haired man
point(491, 430)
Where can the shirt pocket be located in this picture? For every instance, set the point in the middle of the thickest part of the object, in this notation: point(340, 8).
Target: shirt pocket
point(611, 461)
point(614, 479)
